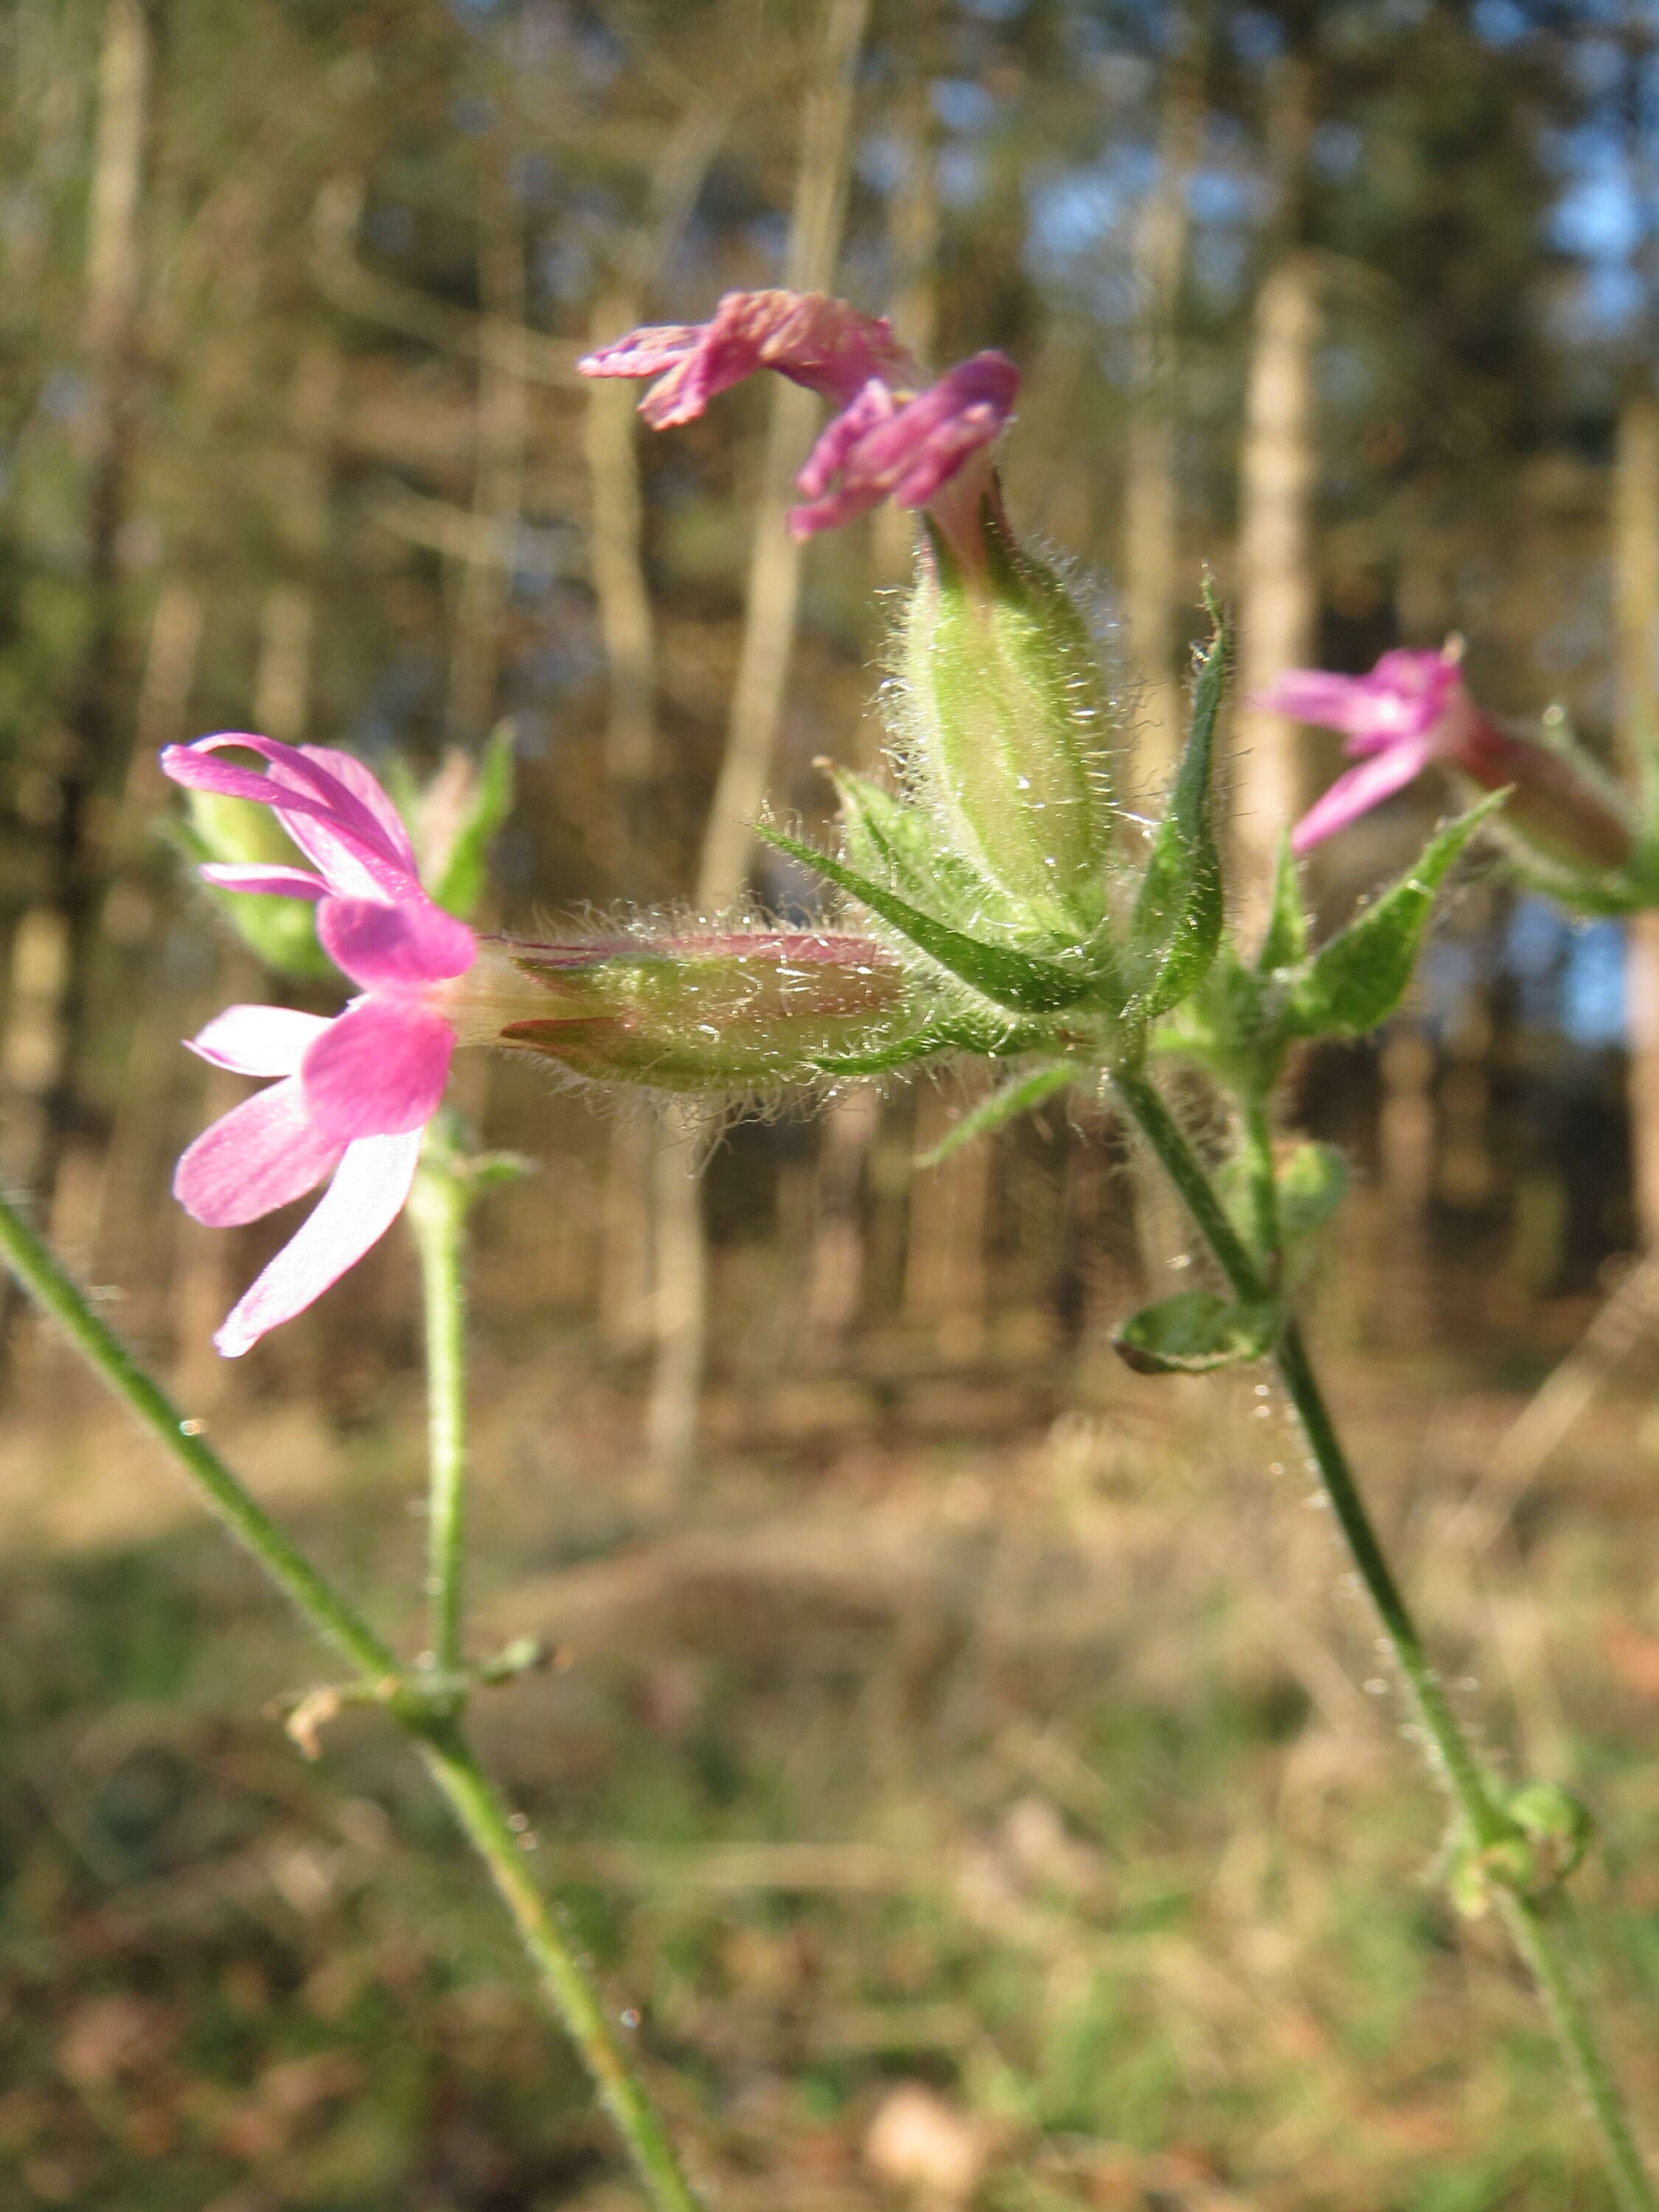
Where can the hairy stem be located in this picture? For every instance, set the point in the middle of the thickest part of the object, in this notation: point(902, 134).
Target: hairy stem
point(477, 1803)
point(1480, 1819)
point(1259, 1166)
point(333, 1617)
point(477, 1806)
point(437, 1213)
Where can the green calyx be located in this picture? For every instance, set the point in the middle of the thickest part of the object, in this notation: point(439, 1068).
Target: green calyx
point(1008, 727)
point(730, 1014)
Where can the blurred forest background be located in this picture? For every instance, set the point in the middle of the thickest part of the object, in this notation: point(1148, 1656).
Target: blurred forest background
point(968, 1765)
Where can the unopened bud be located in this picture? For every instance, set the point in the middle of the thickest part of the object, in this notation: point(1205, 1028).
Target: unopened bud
point(699, 1011)
point(1009, 726)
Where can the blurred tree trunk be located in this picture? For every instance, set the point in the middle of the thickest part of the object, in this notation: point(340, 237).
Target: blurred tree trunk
point(1151, 512)
point(1636, 595)
point(835, 1280)
point(131, 1189)
point(1278, 478)
point(849, 1127)
point(770, 613)
point(47, 1069)
point(284, 678)
point(622, 594)
point(1152, 507)
point(945, 1278)
point(502, 436)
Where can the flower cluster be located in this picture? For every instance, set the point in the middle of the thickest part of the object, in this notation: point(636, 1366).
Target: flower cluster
point(890, 437)
point(1010, 915)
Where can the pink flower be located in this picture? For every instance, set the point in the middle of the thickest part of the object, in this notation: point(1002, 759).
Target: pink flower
point(355, 1093)
point(889, 440)
point(1413, 711)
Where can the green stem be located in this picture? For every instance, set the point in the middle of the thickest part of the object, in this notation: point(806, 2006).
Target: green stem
point(438, 1210)
point(1481, 1818)
point(1535, 1940)
point(334, 1618)
point(477, 1803)
point(477, 1806)
point(437, 1213)
point(1264, 1190)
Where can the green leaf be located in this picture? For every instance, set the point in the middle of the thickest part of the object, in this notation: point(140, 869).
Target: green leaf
point(1011, 979)
point(901, 845)
point(1358, 979)
point(1194, 1333)
point(1311, 1184)
point(1176, 923)
point(1020, 1097)
point(986, 1038)
point(458, 877)
point(1286, 939)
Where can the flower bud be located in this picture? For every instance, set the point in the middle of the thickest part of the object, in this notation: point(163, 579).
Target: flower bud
point(1008, 722)
point(702, 1010)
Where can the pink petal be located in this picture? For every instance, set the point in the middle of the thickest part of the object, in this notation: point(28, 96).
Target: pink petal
point(378, 1071)
point(361, 781)
point(330, 825)
point(1313, 695)
point(1359, 790)
point(271, 882)
point(822, 343)
point(839, 436)
point(258, 1040)
point(906, 454)
point(259, 1156)
point(365, 1198)
point(388, 946)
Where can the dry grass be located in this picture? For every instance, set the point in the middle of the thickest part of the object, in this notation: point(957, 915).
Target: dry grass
point(1023, 1820)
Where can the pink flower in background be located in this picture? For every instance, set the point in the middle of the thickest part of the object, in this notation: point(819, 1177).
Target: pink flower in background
point(356, 1093)
point(890, 439)
point(1412, 710)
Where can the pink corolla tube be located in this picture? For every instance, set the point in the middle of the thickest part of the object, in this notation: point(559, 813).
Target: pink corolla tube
point(353, 1095)
point(893, 436)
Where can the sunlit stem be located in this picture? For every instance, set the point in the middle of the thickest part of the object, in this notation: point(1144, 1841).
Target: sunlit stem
point(1263, 1190)
point(333, 1617)
point(1479, 1817)
point(477, 1806)
point(438, 1209)
point(431, 1720)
